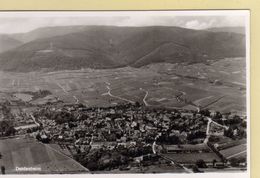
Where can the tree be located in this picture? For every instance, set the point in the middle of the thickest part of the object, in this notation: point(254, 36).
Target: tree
point(197, 134)
point(229, 132)
point(10, 131)
point(93, 166)
point(218, 117)
point(214, 162)
point(6, 128)
point(205, 112)
point(2, 169)
point(234, 162)
point(137, 104)
point(201, 163)
point(38, 137)
point(196, 169)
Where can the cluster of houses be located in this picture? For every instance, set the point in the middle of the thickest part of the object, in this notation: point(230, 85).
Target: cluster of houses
point(81, 129)
point(122, 124)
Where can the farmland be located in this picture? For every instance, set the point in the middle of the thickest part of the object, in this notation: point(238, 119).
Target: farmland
point(219, 85)
point(26, 152)
point(192, 157)
point(236, 151)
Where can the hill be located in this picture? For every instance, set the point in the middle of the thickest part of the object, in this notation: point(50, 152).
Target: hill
point(111, 47)
point(7, 43)
point(239, 30)
point(46, 32)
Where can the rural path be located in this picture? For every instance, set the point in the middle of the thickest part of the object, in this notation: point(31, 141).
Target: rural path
point(158, 49)
point(201, 99)
point(76, 99)
point(197, 106)
point(178, 164)
point(37, 123)
point(169, 159)
point(145, 96)
point(213, 102)
point(117, 97)
point(66, 92)
point(208, 128)
point(179, 97)
point(154, 144)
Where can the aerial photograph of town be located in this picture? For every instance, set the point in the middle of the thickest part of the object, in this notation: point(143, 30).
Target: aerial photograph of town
point(124, 92)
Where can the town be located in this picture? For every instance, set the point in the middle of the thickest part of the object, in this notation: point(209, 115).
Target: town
point(133, 137)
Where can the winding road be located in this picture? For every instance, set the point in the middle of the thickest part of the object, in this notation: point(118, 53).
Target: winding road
point(144, 99)
point(66, 92)
point(117, 97)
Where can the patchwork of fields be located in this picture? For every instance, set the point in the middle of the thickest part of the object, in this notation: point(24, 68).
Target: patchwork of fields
point(218, 86)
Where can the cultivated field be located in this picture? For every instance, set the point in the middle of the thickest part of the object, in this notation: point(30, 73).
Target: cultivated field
point(23, 152)
point(192, 157)
point(219, 86)
point(235, 152)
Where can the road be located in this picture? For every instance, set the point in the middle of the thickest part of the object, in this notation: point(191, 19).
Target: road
point(154, 143)
point(213, 102)
point(117, 97)
point(64, 90)
point(207, 131)
point(37, 123)
point(180, 99)
point(225, 127)
point(180, 165)
point(208, 128)
point(169, 159)
point(76, 99)
point(145, 96)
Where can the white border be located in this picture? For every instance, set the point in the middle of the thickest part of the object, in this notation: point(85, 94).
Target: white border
point(245, 13)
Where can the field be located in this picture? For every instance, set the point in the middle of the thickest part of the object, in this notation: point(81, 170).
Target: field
point(192, 157)
point(235, 152)
point(148, 169)
point(218, 86)
point(24, 152)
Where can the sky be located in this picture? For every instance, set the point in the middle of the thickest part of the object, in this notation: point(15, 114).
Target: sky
point(19, 22)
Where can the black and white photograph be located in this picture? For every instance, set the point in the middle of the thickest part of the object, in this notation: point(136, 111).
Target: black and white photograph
point(124, 92)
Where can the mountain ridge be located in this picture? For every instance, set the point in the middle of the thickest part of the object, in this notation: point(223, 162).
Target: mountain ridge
point(112, 47)
point(8, 43)
point(236, 29)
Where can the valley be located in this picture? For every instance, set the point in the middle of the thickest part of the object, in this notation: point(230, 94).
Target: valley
point(136, 99)
point(218, 86)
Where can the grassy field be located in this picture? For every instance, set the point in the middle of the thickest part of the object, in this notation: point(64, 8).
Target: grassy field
point(158, 84)
point(22, 152)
